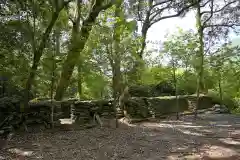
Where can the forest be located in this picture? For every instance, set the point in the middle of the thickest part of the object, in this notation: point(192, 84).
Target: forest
point(93, 49)
point(97, 50)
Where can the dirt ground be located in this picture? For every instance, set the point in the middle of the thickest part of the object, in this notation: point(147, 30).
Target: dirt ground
point(213, 137)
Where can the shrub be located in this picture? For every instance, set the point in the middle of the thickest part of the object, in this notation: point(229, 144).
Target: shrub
point(228, 101)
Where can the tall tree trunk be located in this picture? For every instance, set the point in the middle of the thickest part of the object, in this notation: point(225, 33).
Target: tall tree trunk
point(58, 34)
point(116, 65)
point(145, 27)
point(37, 56)
point(144, 37)
point(77, 45)
point(116, 86)
point(37, 53)
point(176, 89)
point(116, 79)
point(200, 56)
point(220, 88)
point(55, 52)
point(80, 80)
point(138, 66)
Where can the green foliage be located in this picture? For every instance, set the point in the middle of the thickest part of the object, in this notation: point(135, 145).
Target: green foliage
point(190, 86)
point(93, 90)
point(183, 46)
point(100, 52)
point(230, 102)
point(155, 75)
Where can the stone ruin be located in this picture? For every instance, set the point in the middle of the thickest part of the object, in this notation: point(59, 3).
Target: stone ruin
point(49, 112)
point(13, 114)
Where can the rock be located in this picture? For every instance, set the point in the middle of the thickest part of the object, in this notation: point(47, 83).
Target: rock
point(218, 109)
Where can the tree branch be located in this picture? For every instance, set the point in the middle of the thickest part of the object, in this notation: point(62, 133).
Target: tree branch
point(104, 7)
point(205, 3)
point(159, 11)
point(160, 3)
point(211, 6)
point(222, 25)
point(71, 19)
point(166, 17)
point(207, 12)
point(175, 15)
point(138, 11)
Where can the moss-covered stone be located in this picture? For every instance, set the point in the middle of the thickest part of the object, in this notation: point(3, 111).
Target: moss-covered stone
point(143, 107)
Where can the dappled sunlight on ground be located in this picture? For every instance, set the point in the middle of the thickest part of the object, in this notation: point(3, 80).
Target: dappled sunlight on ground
point(163, 140)
point(230, 141)
point(219, 152)
point(190, 132)
point(20, 152)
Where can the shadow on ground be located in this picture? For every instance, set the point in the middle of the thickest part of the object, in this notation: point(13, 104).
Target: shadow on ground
point(213, 137)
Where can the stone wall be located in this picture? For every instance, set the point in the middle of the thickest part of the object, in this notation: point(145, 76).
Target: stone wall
point(84, 110)
point(142, 107)
point(40, 112)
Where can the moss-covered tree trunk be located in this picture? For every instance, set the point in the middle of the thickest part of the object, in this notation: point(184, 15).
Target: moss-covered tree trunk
point(116, 63)
point(80, 76)
point(116, 79)
point(37, 54)
point(78, 40)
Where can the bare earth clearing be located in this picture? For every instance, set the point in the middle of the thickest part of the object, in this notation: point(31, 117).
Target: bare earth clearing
point(216, 137)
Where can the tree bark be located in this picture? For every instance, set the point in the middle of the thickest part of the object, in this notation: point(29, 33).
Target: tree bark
point(77, 45)
point(136, 71)
point(80, 80)
point(116, 65)
point(37, 53)
point(175, 85)
point(200, 29)
point(220, 89)
point(145, 27)
point(116, 86)
point(37, 56)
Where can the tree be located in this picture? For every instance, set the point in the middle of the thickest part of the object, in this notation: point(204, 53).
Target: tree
point(115, 48)
point(207, 20)
point(150, 12)
point(220, 61)
point(78, 39)
point(175, 81)
point(33, 28)
point(181, 47)
point(57, 7)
